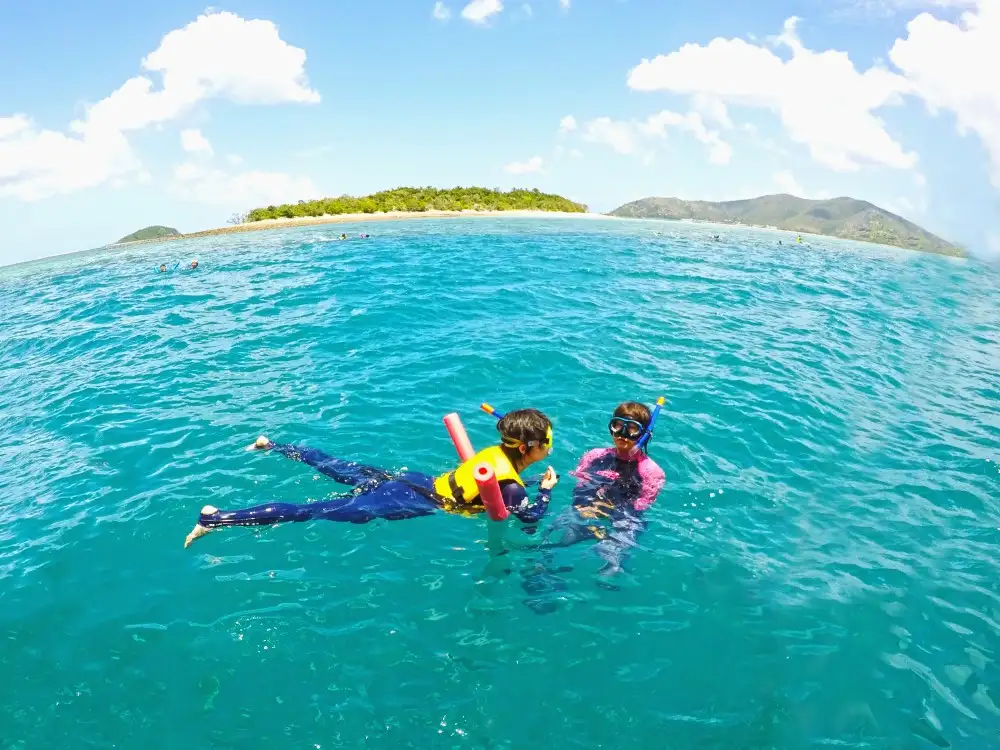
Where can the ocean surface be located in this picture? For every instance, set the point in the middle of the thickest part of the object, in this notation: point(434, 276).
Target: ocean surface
point(822, 568)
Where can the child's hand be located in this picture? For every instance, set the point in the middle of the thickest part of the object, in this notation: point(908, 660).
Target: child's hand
point(550, 480)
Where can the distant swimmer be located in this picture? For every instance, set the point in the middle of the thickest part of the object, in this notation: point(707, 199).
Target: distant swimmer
point(525, 437)
point(364, 236)
point(194, 264)
point(163, 268)
point(800, 238)
point(343, 236)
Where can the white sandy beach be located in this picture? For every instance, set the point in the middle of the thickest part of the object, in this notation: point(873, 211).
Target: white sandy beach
point(256, 226)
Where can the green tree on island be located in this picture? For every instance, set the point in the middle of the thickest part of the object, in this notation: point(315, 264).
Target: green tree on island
point(422, 199)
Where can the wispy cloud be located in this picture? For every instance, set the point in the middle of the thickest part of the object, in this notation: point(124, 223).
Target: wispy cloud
point(441, 11)
point(531, 166)
point(480, 11)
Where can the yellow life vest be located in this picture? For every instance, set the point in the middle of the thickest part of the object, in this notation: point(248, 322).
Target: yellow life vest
point(458, 488)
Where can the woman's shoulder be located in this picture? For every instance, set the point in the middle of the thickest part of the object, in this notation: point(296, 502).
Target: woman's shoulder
point(649, 467)
point(594, 455)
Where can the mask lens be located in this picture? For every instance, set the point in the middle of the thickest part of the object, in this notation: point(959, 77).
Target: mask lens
point(626, 428)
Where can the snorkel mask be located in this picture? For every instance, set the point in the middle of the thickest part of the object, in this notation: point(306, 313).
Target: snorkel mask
point(514, 442)
point(630, 429)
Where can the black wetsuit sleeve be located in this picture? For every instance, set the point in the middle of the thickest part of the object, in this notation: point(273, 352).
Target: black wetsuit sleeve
point(516, 499)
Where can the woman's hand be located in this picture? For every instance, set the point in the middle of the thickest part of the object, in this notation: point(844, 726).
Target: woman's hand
point(595, 509)
point(550, 480)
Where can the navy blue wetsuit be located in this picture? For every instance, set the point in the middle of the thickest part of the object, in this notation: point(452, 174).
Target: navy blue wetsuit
point(377, 494)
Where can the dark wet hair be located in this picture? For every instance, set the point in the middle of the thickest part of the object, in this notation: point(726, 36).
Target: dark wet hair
point(634, 410)
point(524, 426)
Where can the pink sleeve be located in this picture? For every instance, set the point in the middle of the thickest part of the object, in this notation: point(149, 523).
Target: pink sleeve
point(580, 472)
point(653, 479)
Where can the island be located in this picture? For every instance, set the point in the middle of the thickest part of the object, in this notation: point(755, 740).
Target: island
point(387, 205)
point(847, 218)
point(154, 232)
point(418, 200)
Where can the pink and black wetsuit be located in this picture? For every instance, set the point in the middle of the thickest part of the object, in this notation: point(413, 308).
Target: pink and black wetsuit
point(629, 484)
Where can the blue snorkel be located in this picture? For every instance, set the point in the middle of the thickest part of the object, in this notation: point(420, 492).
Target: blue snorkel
point(641, 445)
point(490, 410)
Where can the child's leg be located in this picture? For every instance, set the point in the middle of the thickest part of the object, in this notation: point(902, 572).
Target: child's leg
point(390, 500)
point(345, 472)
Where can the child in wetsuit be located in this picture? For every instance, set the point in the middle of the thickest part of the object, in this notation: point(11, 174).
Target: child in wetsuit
point(616, 485)
point(526, 437)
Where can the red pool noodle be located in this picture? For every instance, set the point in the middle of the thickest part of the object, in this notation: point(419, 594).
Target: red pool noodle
point(459, 436)
point(489, 491)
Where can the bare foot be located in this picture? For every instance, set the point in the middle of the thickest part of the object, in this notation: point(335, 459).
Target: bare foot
point(199, 530)
point(260, 444)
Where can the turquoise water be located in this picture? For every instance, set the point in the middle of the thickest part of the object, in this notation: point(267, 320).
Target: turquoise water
point(822, 569)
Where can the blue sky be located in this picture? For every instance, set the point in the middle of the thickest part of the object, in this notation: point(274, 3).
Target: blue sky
point(121, 116)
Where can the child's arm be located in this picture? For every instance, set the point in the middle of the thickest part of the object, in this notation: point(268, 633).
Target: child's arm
point(653, 480)
point(518, 502)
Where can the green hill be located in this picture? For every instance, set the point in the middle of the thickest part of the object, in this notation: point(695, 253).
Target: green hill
point(150, 233)
point(847, 218)
point(421, 199)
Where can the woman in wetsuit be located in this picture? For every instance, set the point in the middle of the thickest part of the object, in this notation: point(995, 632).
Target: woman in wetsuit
point(616, 486)
point(526, 437)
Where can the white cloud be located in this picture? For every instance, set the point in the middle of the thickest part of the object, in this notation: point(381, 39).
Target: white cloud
point(618, 135)
point(953, 66)
point(527, 11)
point(573, 153)
point(712, 109)
point(218, 55)
point(243, 190)
point(234, 159)
point(479, 11)
point(626, 137)
point(11, 126)
point(564, 4)
point(37, 164)
point(787, 183)
point(531, 166)
point(824, 103)
point(194, 142)
point(441, 11)
point(719, 152)
point(567, 124)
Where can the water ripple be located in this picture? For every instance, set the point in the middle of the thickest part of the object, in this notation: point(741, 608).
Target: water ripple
point(821, 570)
